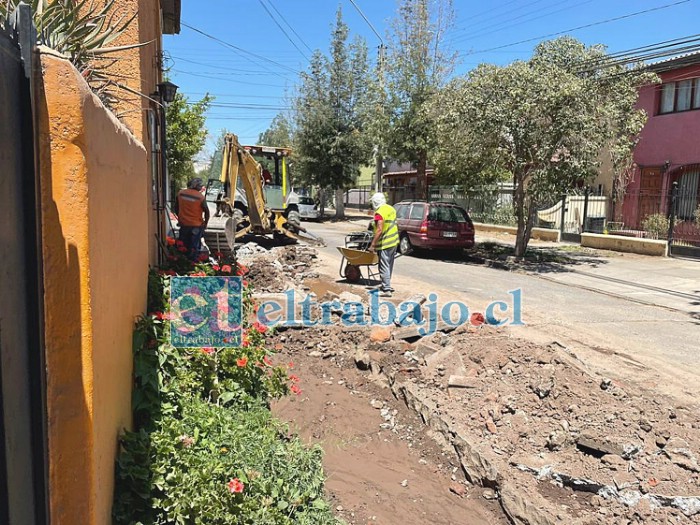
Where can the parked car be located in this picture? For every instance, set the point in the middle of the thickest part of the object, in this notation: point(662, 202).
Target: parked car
point(308, 208)
point(433, 225)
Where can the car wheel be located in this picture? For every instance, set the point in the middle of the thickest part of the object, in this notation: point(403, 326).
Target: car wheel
point(405, 246)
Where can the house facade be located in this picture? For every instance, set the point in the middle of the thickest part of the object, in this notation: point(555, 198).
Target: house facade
point(668, 151)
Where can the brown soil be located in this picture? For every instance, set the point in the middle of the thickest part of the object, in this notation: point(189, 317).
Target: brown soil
point(546, 423)
point(365, 463)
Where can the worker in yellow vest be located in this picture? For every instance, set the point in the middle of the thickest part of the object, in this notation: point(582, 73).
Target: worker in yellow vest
point(385, 241)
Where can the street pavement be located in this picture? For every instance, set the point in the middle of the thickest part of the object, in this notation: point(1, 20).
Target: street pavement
point(634, 317)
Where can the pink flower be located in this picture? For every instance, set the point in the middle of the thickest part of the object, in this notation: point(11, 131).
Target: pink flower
point(293, 378)
point(226, 268)
point(242, 362)
point(259, 327)
point(235, 486)
point(296, 390)
point(209, 350)
point(216, 267)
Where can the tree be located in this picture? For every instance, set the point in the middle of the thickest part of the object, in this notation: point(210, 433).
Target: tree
point(217, 157)
point(545, 122)
point(331, 141)
point(279, 134)
point(420, 67)
point(185, 136)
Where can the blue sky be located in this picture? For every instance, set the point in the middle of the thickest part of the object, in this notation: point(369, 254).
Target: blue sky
point(254, 82)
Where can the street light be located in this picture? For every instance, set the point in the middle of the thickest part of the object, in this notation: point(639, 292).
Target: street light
point(167, 90)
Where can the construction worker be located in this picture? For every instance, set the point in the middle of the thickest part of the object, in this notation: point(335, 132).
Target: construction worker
point(192, 216)
point(385, 241)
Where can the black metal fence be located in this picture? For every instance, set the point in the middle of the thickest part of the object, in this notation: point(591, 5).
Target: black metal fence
point(358, 198)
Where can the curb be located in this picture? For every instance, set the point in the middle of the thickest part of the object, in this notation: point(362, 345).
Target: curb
point(522, 508)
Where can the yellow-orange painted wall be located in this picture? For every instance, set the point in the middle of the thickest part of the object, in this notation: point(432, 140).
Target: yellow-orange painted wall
point(94, 175)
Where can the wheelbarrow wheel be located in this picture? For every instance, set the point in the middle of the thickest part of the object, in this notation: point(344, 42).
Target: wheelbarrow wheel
point(352, 273)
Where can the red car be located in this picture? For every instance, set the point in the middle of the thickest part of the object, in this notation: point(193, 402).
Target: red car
point(433, 225)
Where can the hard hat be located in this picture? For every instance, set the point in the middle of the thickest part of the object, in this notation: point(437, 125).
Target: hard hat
point(377, 200)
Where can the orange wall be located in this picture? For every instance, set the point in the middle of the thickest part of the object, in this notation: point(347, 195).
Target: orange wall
point(94, 176)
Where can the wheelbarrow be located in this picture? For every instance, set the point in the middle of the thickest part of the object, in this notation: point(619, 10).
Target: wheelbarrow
point(357, 256)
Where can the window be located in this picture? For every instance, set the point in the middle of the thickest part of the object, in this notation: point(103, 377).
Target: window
point(417, 212)
point(401, 211)
point(688, 195)
point(678, 96)
point(447, 214)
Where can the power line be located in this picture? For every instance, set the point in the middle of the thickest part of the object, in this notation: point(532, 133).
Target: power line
point(600, 22)
point(495, 28)
point(230, 68)
point(283, 29)
point(225, 79)
point(290, 26)
point(367, 20)
point(239, 49)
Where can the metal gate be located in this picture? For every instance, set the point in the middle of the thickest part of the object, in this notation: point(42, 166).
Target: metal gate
point(23, 486)
point(684, 220)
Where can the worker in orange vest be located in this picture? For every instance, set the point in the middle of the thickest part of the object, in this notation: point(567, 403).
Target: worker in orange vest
point(192, 216)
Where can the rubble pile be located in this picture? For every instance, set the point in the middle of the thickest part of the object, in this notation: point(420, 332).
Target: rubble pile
point(530, 424)
point(276, 269)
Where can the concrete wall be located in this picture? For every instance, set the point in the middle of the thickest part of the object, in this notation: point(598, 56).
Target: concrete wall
point(541, 234)
point(94, 176)
point(624, 244)
point(140, 70)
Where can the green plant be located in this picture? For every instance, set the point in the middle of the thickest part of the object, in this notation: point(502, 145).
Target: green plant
point(697, 216)
point(82, 31)
point(205, 449)
point(656, 225)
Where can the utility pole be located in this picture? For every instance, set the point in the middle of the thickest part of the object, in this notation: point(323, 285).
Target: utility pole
point(380, 72)
point(380, 158)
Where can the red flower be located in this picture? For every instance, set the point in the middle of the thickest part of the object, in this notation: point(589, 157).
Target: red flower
point(182, 249)
point(179, 243)
point(242, 270)
point(296, 390)
point(158, 315)
point(198, 274)
point(267, 361)
point(170, 241)
point(245, 284)
point(218, 255)
point(291, 364)
point(235, 486)
point(293, 378)
point(246, 342)
point(171, 272)
point(242, 362)
point(203, 258)
point(226, 268)
point(259, 327)
point(216, 267)
point(209, 350)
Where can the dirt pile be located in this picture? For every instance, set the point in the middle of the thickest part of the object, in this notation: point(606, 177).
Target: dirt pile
point(277, 269)
point(554, 442)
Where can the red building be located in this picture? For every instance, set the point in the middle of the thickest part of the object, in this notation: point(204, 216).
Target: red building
point(669, 147)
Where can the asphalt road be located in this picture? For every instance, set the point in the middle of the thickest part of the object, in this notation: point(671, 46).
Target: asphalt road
point(612, 332)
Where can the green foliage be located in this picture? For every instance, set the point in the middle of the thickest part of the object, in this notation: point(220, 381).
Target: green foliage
point(656, 225)
point(205, 449)
point(419, 66)
point(82, 31)
point(279, 134)
point(544, 122)
point(331, 140)
point(697, 217)
point(217, 158)
point(185, 135)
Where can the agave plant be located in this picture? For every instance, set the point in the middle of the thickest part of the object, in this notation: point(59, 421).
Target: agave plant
point(82, 32)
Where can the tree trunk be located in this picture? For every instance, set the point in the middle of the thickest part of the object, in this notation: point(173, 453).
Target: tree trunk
point(421, 176)
point(339, 203)
point(522, 213)
point(322, 202)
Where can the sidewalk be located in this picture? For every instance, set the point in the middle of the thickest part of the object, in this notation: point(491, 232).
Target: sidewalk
point(662, 281)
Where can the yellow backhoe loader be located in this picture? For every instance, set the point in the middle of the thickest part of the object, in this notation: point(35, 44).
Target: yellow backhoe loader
point(257, 195)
